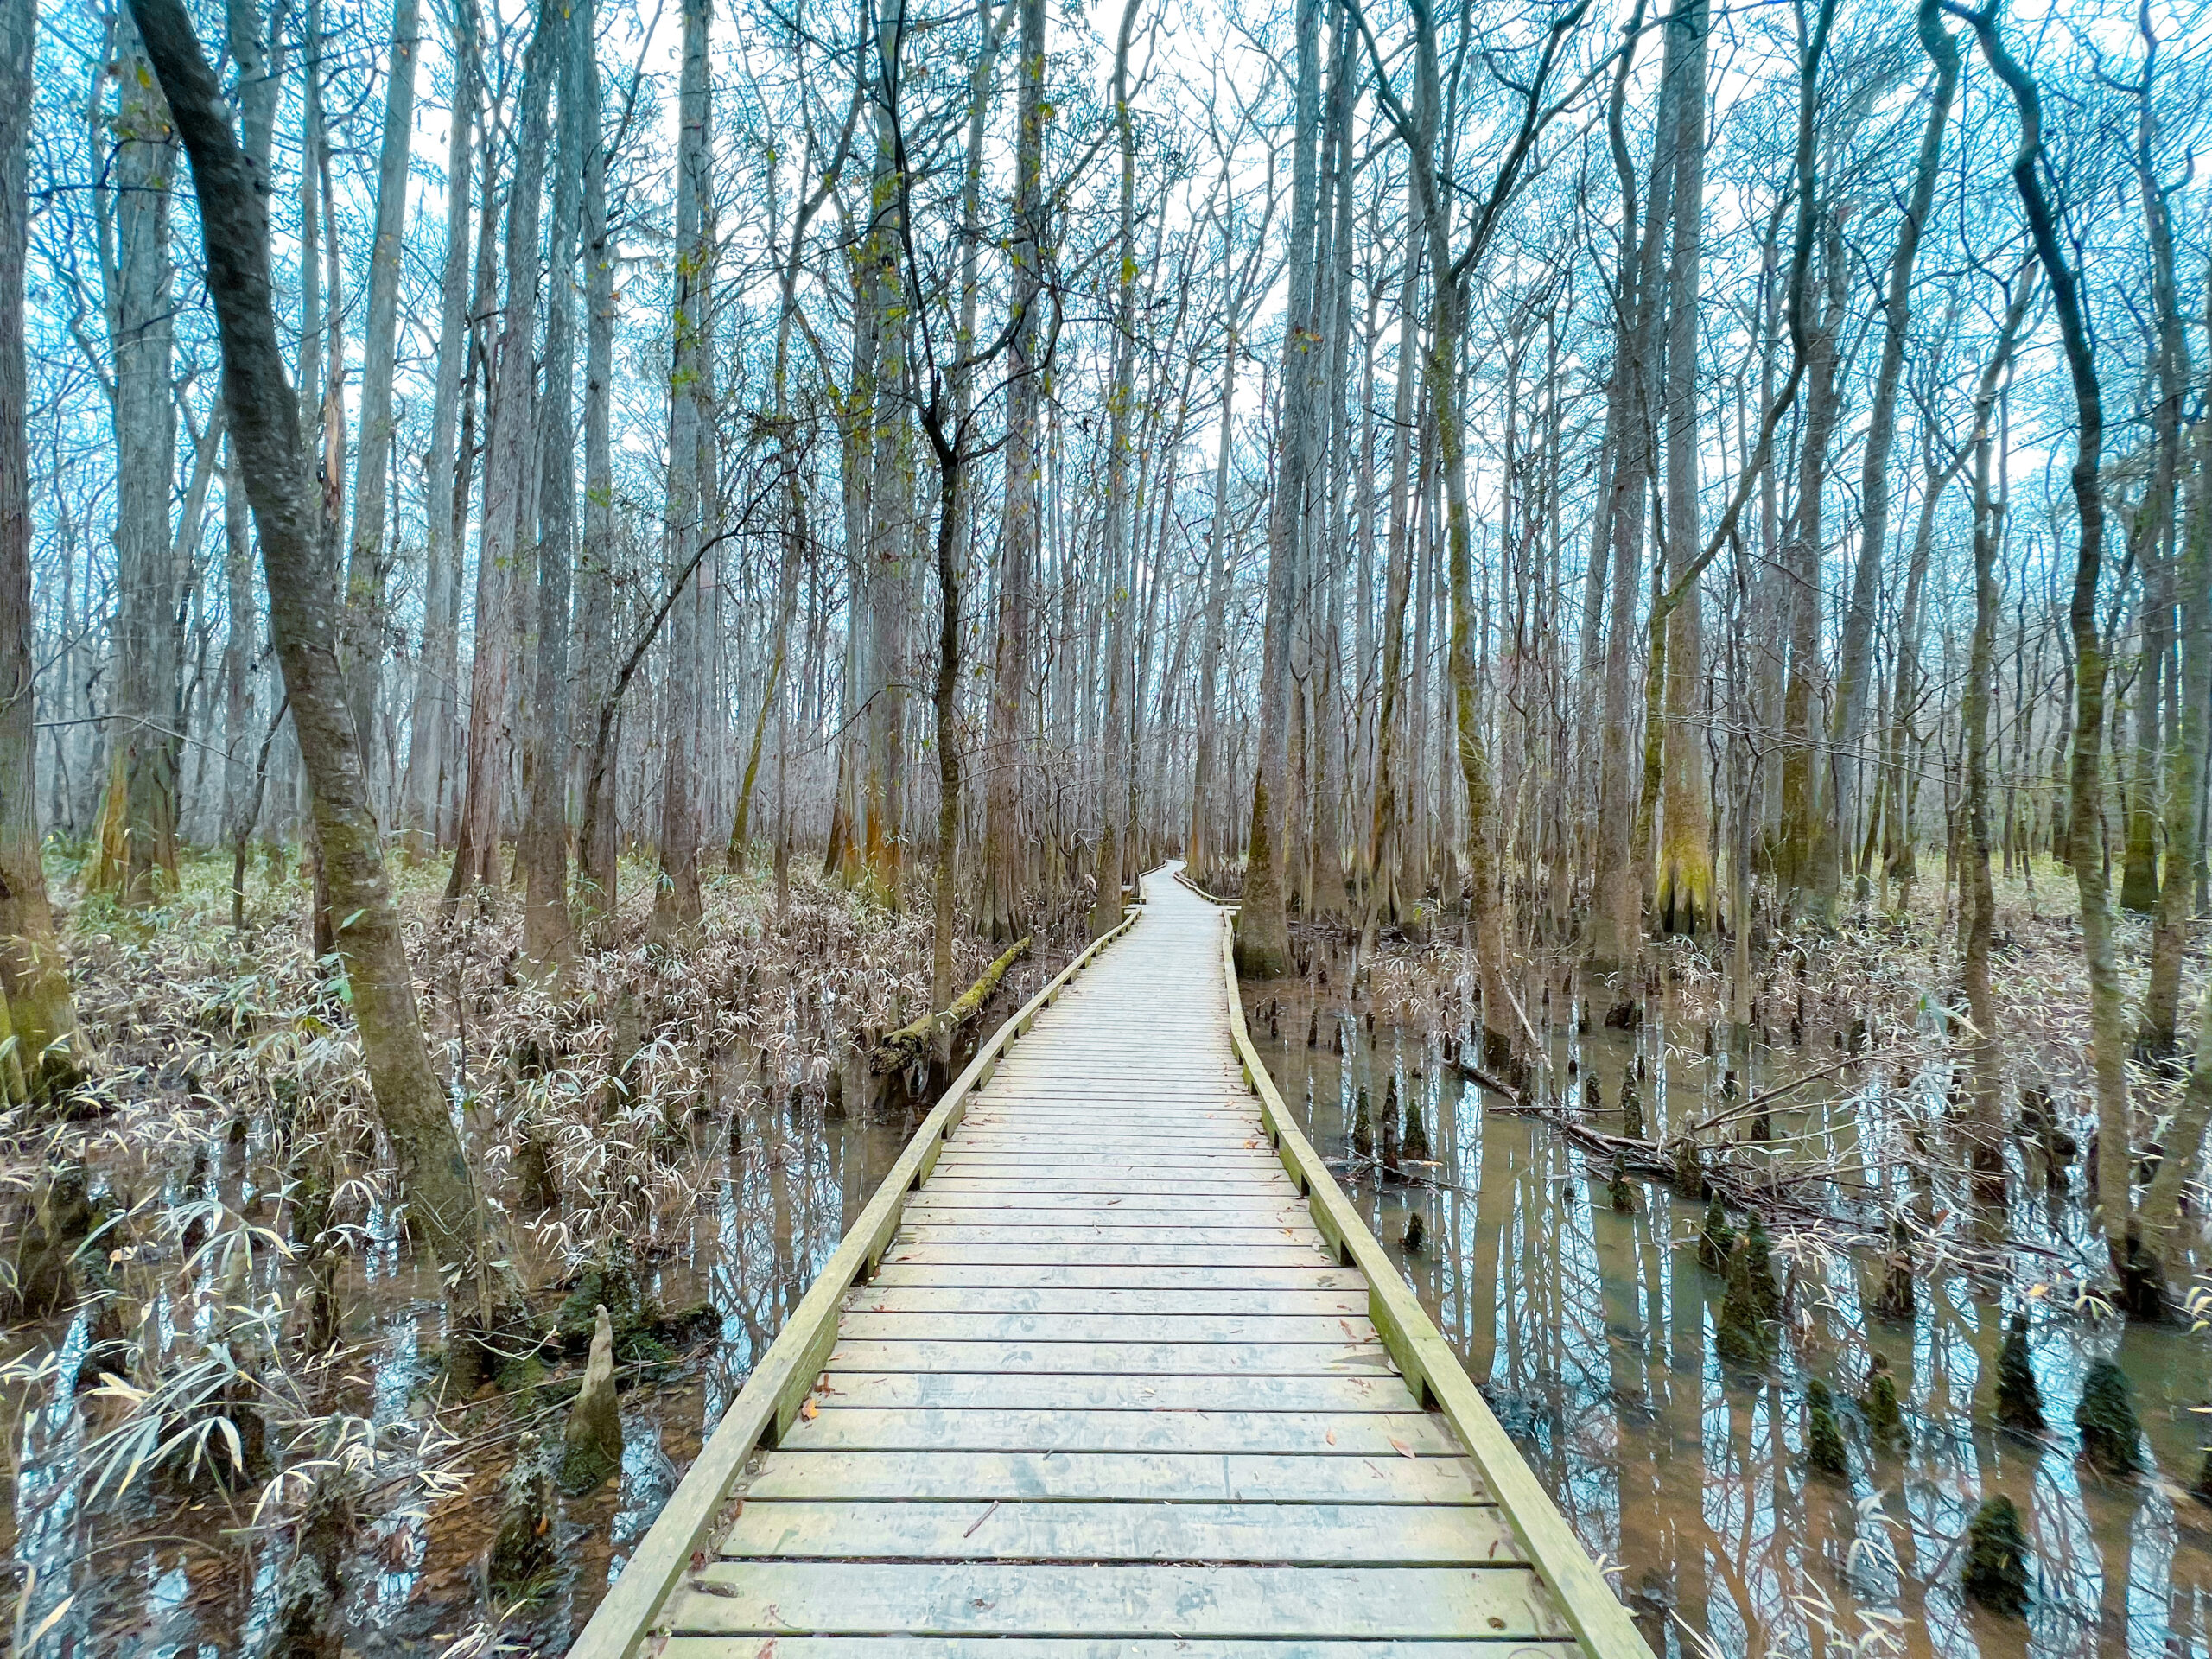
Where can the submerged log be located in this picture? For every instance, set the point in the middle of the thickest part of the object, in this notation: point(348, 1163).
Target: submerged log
point(912, 1045)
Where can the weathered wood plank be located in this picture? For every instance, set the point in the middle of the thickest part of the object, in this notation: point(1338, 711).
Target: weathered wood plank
point(1162, 1144)
point(1213, 1330)
point(1044, 1391)
point(880, 1295)
point(1171, 1359)
point(1002, 1233)
point(994, 1211)
point(1084, 1275)
point(1237, 1252)
point(968, 1175)
point(1241, 1206)
point(1174, 1601)
point(1008, 1647)
point(1337, 1535)
point(1234, 1161)
point(840, 1427)
point(1119, 1477)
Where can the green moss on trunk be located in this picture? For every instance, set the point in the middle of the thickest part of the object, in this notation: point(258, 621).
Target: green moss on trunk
point(1885, 1415)
point(2019, 1398)
point(2111, 1434)
point(1996, 1573)
point(1824, 1452)
point(1715, 1244)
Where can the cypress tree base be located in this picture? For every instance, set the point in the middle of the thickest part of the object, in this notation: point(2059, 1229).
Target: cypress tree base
point(2111, 1434)
point(1996, 1574)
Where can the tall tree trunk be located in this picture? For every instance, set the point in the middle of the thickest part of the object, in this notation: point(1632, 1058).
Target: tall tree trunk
point(137, 857)
point(1263, 918)
point(1615, 917)
point(1331, 896)
point(1199, 848)
point(1121, 564)
point(2107, 1022)
point(677, 899)
point(442, 551)
point(1010, 712)
point(36, 1007)
point(2157, 1035)
point(1383, 892)
point(364, 571)
point(441, 1198)
point(476, 861)
point(1683, 887)
point(1977, 897)
point(548, 937)
point(1854, 670)
point(596, 885)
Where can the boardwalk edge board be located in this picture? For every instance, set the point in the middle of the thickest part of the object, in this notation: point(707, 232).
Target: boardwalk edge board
point(1431, 1369)
point(1183, 875)
point(778, 1385)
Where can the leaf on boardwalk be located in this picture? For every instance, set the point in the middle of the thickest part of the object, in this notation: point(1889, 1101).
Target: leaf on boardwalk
point(1400, 1447)
point(809, 1410)
point(1333, 1437)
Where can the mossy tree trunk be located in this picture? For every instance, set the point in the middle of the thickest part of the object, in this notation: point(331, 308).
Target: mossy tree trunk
point(137, 857)
point(442, 1197)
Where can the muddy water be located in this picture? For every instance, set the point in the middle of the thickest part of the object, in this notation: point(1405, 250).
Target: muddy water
point(1591, 1334)
point(146, 1578)
point(1591, 1331)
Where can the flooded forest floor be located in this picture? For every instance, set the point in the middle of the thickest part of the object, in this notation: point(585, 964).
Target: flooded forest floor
point(232, 1432)
point(230, 1425)
point(1798, 1476)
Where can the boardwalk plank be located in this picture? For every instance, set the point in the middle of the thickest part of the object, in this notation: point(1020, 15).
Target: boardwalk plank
point(882, 1295)
point(1178, 1601)
point(1008, 1647)
point(1239, 1251)
point(1339, 1535)
point(1304, 1273)
point(866, 1324)
point(1289, 1433)
point(1043, 1391)
point(1109, 1392)
point(1121, 1476)
point(1171, 1359)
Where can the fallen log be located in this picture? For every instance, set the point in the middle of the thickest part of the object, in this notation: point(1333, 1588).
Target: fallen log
point(912, 1044)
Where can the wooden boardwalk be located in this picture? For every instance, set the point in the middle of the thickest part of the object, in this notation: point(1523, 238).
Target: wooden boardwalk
point(1095, 1376)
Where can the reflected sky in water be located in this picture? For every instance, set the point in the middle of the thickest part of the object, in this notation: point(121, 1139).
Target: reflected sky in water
point(1591, 1334)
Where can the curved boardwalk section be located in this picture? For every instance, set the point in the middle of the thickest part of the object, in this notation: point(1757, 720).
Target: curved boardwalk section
point(1114, 1387)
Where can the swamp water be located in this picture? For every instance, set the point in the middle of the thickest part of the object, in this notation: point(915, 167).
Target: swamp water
point(1591, 1331)
point(140, 1580)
